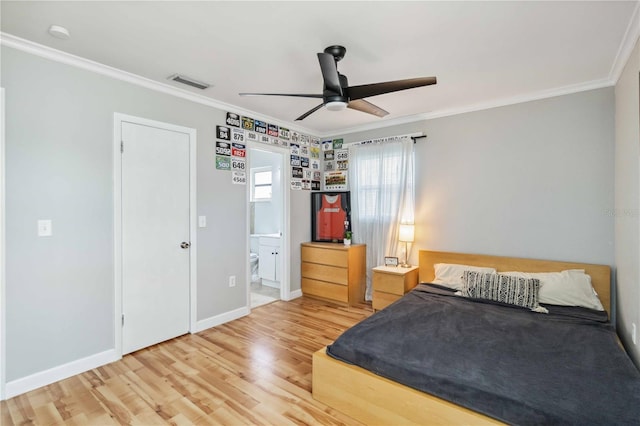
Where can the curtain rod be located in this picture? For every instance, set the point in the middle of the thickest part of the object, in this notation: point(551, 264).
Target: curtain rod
point(413, 136)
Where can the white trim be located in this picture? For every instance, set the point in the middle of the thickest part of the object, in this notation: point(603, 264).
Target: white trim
point(36, 49)
point(61, 372)
point(3, 294)
point(285, 225)
point(221, 319)
point(69, 59)
point(118, 119)
point(629, 40)
point(295, 294)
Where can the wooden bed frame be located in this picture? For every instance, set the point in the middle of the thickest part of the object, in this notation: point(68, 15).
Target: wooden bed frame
point(374, 400)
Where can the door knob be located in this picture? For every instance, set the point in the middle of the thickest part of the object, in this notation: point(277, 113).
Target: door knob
point(184, 245)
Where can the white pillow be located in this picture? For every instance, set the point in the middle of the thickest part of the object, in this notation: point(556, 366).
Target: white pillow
point(450, 274)
point(569, 288)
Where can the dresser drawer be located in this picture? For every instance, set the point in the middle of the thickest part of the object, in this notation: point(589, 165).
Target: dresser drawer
point(382, 300)
point(394, 284)
point(325, 256)
point(320, 272)
point(325, 290)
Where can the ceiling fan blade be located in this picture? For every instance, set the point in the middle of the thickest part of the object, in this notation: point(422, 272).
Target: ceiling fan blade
point(297, 95)
point(330, 73)
point(366, 90)
point(308, 113)
point(368, 107)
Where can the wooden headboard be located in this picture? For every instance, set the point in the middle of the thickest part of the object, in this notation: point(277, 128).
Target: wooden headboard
point(600, 274)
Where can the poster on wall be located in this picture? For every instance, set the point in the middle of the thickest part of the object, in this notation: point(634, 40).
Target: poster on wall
point(272, 130)
point(238, 164)
point(337, 143)
point(238, 150)
point(248, 124)
point(335, 181)
point(223, 162)
point(296, 184)
point(223, 132)
point(239, 178)
point(260, 127)
point(223, 148)
point(233, 119)
point(315, 185)
point(251, 136)
point(237, 135)
point(330, 215)
point(284, 133)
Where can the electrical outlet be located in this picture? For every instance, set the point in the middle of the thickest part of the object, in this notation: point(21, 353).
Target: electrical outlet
point(45, 228)
point(232, 281)
point(633, 334)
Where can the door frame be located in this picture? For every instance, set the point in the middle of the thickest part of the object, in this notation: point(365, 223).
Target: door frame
point(118, 119)
point(3, 263)
point(285, 243)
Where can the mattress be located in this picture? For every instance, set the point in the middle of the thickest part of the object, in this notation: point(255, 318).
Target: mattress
point(512, 364)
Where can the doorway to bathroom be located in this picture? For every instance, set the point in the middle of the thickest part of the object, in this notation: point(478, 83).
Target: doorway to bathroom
point(268, 196)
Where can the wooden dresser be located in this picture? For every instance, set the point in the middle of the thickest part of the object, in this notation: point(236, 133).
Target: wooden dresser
point(335, 272)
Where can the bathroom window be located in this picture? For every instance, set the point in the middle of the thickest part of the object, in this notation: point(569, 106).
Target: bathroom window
point(261, 183)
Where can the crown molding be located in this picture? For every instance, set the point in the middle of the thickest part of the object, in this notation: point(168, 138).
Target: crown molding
point(626, 47)
point(50, 53)
point(496, 103)
point(631, 36)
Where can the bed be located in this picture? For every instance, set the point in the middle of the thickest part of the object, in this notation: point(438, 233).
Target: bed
point(570, 356)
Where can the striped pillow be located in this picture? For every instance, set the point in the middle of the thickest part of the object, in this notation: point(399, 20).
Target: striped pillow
point(503, 288)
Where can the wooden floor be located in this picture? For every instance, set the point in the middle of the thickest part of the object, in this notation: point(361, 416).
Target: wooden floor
point(254, 370)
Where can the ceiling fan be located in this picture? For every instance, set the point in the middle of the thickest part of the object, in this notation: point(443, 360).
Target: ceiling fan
point(338, 95)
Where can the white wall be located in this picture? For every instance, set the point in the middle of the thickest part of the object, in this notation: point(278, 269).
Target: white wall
point(59, 290)
point(627, 201)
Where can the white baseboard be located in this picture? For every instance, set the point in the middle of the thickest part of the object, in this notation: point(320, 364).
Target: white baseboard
point(55, 374)
point(295, 294)
point(221, 319)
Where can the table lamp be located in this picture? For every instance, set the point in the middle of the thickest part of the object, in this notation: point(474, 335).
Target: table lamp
point(406, 236)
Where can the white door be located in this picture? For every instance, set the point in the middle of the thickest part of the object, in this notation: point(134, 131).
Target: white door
point(155, 235)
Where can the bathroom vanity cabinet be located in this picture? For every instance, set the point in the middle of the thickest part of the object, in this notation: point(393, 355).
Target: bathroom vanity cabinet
point(269, 255)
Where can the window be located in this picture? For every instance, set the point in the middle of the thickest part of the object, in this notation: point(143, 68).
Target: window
point(261, 183)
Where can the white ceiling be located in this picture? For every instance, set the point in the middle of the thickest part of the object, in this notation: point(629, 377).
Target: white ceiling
point(483, 53)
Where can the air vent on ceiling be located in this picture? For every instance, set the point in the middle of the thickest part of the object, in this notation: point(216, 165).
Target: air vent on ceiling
point(189, 81)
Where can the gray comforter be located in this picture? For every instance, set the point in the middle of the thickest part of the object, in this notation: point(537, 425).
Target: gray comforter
point(518, 366)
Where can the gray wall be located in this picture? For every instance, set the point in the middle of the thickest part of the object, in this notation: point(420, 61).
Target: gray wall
point(530, 180)
point(59, 126)
point(627, 203)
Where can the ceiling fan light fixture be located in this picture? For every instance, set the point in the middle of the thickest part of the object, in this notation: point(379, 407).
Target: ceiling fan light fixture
point(336, 105)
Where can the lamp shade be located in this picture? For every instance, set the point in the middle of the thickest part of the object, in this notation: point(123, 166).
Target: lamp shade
point(406, 232)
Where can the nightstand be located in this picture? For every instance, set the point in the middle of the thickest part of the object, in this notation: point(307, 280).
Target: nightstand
point(390, 283)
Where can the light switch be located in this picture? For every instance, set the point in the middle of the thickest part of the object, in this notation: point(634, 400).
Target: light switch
point(202, 221)
point(45, 228)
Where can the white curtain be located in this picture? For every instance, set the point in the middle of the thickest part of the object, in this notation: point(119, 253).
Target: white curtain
point(382, 196)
